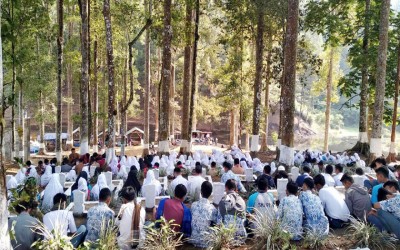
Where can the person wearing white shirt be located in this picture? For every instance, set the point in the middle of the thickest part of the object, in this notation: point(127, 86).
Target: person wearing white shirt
point(62, 221)
point(338, 176)
point(328, 176)
point(178, 180)
point(195, 183)
point(128, 218)
point(334, 205)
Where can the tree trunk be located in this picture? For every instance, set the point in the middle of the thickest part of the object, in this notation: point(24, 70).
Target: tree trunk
point(172, 103)
point(289, 86)
point(42, 147)
point(147, 83)
point(192, 109)
point(60, 40)
point(70, 123)
point(14, 79)
point(186, 134)
point(233, 128)
point(362, 145)
point(27, 138)
point(376, 135)
point(111, 94)
point(281, 81)
point(258, 80)
point(163, 145)
point(4, 235)
point(123, 112)
point(95, 98)
point(90, 115)
point(264, 142)
point(328, 101)
point(392, 152)
point(84, 147)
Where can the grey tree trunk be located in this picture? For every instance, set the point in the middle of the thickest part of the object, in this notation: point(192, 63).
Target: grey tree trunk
point(392, 152)
point(84, 147)
point(60, 41)
point(328, 101)
point(258, 80)
point(147, 77)
point(376, 135)
point(172, 103)
point(362, 145)
point(186, 134)
point(163, 145)
point(95, 97)
point(289, 85)
point(192, 110)
point(111, 94)
point(264, 142)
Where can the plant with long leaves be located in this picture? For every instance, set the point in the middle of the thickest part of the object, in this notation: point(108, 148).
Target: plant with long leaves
point(365, 235)
point(163, 237)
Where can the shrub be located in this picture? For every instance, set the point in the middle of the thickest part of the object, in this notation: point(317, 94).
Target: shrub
point(163, 238)
point(222, 237)
point(365, 235)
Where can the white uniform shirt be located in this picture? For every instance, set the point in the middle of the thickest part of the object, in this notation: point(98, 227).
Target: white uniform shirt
point(337, 179)
point(179, 180)
point(125, 225)
point(329, 180)
point(195, 186)
point(60, 219)
point(333, 203)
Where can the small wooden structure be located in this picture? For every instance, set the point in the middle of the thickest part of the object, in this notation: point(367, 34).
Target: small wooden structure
point(135, 136)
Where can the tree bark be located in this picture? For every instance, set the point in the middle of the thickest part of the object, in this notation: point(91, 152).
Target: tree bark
point(70, 124)
point(172, 103)
point(392, 152)
point(362, 145)
point(289, 86)
point(84, 147)
point(90, 113)
point(163, 145)
point(264, 142)
point(123, 112)
point(192, 109)
point(60, 41)
point(147, 77)
point(258, 80)
point(376, 135)
point(14, 79)
point(42, 147)
point(4, 234)
point(233, 128)
point(328, 101)
point(95, 98)
point(281, 81)
point(186, 134)
point(111, 93)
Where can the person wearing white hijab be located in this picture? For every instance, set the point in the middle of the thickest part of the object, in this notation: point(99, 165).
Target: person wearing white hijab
point(53, 187)
point(82, 186)
point(101, 183)
point(123, 174)
point(11, 183)
point(71, 176)
point(151, 179)
point(45, 178)
point(257, 165)
point(114, 166)
point(20, 176)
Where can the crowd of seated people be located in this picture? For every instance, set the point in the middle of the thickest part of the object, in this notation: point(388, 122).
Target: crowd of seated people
point(313, 202)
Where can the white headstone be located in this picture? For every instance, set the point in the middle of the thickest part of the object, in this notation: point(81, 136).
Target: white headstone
point(218, 192)
point(281, 186)
point(8, 177)
point(92, 170)
point(156, 173)
point(108, 178)
point(62, 179)
point(295, 173)
point(150, 195)
point(359, 180)
point(58, 169)
point(203, 172)
point(249, 174)
point(79, 201)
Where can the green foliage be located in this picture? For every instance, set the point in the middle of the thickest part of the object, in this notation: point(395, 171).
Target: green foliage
point(163, 238)
point(26, 192)
point(222, 237)
point(314, 240)
point(267, 231)
point(365, 235)
point(53, 240)
point(107, 239)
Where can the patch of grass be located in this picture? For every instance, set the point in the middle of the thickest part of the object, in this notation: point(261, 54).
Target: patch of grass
point(365, 235)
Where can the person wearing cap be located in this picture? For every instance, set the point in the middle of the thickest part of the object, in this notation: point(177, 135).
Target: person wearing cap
point(195, 182)
point(230, 175)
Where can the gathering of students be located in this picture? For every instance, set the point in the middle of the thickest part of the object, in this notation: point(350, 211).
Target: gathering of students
point(312, 204)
